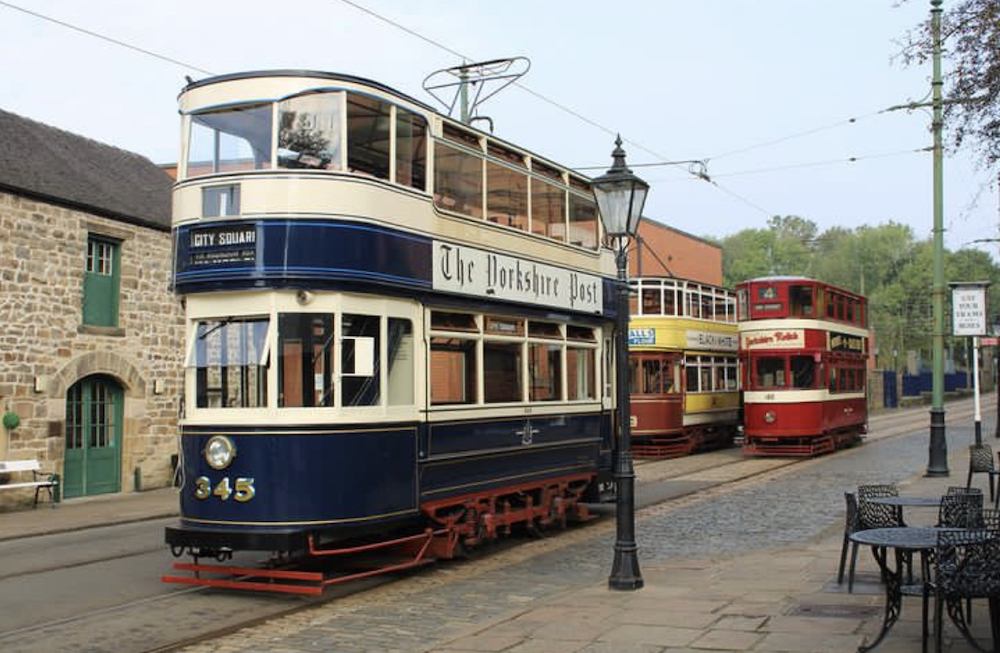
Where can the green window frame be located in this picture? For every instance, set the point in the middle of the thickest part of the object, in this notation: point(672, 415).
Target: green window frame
point(101, 282)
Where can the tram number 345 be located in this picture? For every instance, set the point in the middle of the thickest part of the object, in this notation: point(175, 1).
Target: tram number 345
point(241, 490)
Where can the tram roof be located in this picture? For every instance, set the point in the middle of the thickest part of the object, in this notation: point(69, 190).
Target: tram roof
point(315, 74)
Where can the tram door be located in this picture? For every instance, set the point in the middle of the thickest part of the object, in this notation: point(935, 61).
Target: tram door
point(92, 464)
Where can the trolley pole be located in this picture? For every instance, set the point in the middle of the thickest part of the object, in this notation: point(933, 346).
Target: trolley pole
point(938, 454)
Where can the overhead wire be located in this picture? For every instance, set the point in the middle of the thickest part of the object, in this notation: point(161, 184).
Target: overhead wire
point(104, 37)
point(700, 173)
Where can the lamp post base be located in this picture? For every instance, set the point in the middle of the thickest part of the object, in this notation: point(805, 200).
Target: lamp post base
point(938, 463)
point(625, 573)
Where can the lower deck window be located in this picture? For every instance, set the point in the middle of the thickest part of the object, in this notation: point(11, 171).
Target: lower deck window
point(501, 372)
point(453, 370)
point(769, 372)
point(651, 376)
point(492, 359)
point(581, 374)
point(545, 365)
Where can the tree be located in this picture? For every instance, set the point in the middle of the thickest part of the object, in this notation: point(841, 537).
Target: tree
point(971, 36)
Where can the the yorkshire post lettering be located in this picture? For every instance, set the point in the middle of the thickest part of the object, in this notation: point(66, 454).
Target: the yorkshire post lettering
point(472, 271)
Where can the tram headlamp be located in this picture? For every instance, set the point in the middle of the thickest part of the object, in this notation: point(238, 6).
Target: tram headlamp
point(770, 417)
point(219, 452)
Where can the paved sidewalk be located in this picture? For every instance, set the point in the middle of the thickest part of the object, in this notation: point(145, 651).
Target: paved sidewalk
point(102, 510)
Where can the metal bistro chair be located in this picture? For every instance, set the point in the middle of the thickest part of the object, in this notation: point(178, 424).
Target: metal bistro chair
point(874, 515)
point(961, 509)
point(852, 524)
point(981, 462)
point(967, 566)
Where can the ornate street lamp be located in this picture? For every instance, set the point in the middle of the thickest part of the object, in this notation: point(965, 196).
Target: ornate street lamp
point(620, 197)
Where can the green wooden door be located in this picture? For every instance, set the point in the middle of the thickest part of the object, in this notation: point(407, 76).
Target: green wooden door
point(94, 409)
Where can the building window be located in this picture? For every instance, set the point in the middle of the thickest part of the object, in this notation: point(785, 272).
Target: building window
point(101, 282)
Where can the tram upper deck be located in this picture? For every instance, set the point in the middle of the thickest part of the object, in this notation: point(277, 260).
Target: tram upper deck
point(282, 150)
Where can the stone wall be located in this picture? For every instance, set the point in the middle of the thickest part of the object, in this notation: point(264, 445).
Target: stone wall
point(45, 348)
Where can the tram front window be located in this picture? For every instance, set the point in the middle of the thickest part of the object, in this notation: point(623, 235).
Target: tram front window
point(230, 140)
point(359, 360)
point(230, 361)
point(305, 365)
point(770, 372)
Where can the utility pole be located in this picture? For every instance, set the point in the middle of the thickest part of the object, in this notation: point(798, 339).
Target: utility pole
point(938, 455)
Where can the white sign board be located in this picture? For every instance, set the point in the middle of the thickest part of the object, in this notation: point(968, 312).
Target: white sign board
point(483, 273)
point(711, 340)
point(968, 310)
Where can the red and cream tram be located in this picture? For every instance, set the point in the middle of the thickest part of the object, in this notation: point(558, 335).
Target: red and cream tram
point(803, 356)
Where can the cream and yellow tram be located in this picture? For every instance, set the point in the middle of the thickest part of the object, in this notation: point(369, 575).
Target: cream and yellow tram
point(682, 357)
point(399, 329)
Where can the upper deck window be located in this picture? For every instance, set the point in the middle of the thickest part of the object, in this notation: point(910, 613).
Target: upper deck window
point(368, 135)
point(583, 221)
point(548, 209)
point(229, 140)
point(411, 149)
point(309, 131)
point(506, 196)
point(458, 180)
point(800, 300)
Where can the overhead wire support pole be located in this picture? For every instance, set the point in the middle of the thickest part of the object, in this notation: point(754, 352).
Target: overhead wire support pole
point(938, 450)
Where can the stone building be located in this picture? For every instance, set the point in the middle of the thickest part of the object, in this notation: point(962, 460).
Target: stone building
point(92, 336)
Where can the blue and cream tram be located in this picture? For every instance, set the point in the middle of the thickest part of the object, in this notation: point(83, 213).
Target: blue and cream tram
point(399, 328)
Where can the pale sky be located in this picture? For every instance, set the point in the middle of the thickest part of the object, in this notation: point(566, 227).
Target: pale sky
point(776, 96)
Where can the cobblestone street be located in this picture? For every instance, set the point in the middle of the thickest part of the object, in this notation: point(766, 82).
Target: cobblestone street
point(748, 566)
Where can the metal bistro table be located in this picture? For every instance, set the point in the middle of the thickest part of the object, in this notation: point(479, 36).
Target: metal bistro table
point(904, 501)
point(904, 541)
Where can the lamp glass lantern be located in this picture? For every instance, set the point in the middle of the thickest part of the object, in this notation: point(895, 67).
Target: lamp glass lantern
point(620, 198)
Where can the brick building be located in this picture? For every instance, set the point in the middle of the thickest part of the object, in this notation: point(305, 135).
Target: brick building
point(662, 251)
point(92, 336)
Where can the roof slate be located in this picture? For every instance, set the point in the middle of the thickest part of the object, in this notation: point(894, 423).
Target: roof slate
point(75, 171)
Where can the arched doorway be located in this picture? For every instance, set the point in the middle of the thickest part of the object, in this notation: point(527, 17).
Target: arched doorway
point(94, 411)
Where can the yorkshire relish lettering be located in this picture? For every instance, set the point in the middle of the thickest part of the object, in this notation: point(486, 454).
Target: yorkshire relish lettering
point(778, 339)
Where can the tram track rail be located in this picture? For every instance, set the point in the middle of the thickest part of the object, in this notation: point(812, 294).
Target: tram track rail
point(181, 618)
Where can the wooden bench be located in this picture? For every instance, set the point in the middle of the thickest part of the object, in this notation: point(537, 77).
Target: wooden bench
point(39, 480)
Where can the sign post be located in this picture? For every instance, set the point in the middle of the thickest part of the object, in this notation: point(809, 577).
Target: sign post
point(968, 310)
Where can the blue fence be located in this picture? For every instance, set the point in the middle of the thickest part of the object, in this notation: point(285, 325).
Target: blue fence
point(915, 385)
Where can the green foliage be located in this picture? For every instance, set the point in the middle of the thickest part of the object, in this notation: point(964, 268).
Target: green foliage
point(885, 263)
point(970, 33)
